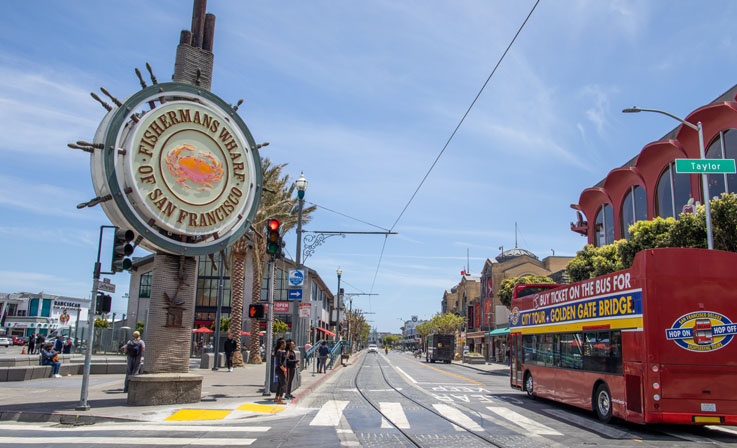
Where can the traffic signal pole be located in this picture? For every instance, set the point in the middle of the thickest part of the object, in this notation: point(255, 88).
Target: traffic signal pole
point(83, 405)
point(269, 329)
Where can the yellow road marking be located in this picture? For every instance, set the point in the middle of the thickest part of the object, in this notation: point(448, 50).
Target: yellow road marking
point(448, 373)
point(263, 408)
point(198, 414)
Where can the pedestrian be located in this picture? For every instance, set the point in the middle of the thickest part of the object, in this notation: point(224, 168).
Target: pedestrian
point(49, 357)
point(67, 347)
point(134, 350)
point(230, 347)
point(31, 343)
point(280, 364)
point(322, 353)
point(59, 343)
point(40, 341)
point(291, 366)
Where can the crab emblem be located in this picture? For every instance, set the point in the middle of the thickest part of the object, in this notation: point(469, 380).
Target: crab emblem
point(202, 169)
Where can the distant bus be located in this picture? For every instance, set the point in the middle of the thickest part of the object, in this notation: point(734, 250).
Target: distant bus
point(650, 344)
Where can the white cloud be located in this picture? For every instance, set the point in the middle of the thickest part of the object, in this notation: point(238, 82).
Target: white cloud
point(38, 281)
point(73, 236)
point(42, 199)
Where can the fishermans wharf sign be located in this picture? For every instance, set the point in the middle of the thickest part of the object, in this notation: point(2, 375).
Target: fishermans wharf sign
point(181, 168)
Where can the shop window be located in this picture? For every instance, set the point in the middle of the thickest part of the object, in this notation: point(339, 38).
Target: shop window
point(730, 152)
point(673, 192)
point(604, 226)
point(144, 288)
point(634, 208)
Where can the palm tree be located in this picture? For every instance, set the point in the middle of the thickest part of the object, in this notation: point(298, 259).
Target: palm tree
point(277, 201)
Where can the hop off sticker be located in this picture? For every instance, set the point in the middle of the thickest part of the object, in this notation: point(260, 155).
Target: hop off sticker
point(702, 331)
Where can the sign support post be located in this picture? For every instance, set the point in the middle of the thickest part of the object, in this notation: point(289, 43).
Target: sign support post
point(269, 330)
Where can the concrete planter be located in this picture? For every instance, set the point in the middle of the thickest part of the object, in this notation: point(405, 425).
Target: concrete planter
point(474, 360)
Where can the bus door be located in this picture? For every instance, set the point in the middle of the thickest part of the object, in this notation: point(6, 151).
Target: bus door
point(515, 353)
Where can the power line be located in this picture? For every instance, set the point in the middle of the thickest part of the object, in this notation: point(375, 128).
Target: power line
point(349, 217)
point(424, 178)
point(465, 115)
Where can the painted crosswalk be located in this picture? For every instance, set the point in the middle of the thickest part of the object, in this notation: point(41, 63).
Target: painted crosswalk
point(531, 426)
point(120, 434)
point(330, 413)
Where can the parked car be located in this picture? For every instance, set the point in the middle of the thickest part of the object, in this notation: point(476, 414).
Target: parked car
point(20, 340)
point(4, 342)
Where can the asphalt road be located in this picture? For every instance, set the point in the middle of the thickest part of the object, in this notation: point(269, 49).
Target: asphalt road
point(430, 405)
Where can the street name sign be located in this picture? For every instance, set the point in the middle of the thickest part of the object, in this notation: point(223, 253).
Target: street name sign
point(106, 286)
point(705, 166)
point(295, 294)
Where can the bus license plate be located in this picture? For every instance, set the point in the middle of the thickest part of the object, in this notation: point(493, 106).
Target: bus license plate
point(708, 407)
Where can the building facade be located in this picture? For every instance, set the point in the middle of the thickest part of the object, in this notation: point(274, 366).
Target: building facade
point(24, 313)
point(647, 186)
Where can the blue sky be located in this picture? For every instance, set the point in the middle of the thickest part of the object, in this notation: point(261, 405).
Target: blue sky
point(361, 96)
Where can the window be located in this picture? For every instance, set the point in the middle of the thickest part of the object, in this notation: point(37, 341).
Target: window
point(591, 351)
point(724, 146)
point(144, 288)
point(604, 226)
point(673, 192)
point(207, 284)
point(634, 208)
point(33, 309)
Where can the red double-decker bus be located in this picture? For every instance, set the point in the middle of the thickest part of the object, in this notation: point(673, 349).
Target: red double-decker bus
point(650, 344)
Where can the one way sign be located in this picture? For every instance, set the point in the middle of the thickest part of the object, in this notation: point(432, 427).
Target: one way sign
point(295, 294)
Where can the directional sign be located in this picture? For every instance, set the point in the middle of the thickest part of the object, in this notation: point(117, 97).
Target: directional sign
point(705, 166)
point(295, 294)
point(106, 286)
point(296, 277)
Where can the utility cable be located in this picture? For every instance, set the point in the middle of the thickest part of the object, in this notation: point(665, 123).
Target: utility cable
point(350, 217)
point(422, 182)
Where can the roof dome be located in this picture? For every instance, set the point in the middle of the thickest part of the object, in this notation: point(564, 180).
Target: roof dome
point(514, 253)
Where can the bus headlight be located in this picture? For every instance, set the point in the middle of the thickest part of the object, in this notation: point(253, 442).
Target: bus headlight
point(656, 397)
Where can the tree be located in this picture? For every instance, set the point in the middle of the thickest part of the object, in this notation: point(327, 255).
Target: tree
point(506, 290)
point(447, 323)
point(389, 340)
point(277, 201)
point(279, 327)
point(724, 222)
point(101, 323)
point(224, 325)
point(139, 326)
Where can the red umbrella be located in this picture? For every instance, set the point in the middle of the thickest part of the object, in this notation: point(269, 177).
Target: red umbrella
point(202, 330)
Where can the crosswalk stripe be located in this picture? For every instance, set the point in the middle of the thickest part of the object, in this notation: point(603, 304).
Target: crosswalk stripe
point(395, 413)
point(133, 441)
point(520, 420)
point(330, 413)
point(138, 428)
point(589, 424)
point(722, 428)
point(457, 416)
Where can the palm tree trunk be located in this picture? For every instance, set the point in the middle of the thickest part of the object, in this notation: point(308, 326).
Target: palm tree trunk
point(255, 345)
point(238, 265)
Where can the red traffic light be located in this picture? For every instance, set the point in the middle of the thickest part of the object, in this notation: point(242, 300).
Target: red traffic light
point(274, 224)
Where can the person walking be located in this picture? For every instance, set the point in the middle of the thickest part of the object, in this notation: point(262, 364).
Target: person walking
point(134, 350)
point(50, 358)
point(291, 366)
point(280, 363)
point(230, 347)
point(31, 343)
point(322, 353)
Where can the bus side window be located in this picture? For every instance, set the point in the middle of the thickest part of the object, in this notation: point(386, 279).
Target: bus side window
point(556, 350)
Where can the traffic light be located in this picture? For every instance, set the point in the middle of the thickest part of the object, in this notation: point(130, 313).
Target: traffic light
point(256, 311)
point(122, 250)
point(274, 241)
point(104, 303)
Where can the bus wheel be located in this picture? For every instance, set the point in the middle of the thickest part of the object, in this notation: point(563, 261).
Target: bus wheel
point(603, 403)
point(529, 386)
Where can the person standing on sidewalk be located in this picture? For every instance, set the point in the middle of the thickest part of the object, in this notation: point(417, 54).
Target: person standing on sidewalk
point(230, 347)
point(31, 343)
point(322, 352)
point(280, 363)
point(40, 340)
point(134, 350)
point(291, 366)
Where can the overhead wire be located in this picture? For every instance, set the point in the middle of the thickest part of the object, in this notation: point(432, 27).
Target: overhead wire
point(463, 118)
point(347, 216)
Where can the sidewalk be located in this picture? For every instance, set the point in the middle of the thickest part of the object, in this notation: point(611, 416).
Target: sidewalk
point(495, 368)
point(225, 396)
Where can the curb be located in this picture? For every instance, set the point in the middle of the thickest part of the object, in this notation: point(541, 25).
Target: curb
point(478, 369)
point(64, 419)
point(318, 382)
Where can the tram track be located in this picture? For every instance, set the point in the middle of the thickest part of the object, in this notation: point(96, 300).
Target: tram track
point(408, 436)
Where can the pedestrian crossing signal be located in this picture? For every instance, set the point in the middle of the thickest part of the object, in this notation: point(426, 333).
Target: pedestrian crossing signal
point(256, 311)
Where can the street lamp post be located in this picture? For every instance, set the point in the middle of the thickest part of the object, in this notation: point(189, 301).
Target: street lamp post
point(704, 180)
point(301, 183)
point(336, 304)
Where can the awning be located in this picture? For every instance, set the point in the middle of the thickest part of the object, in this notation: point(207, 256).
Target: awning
point(499, 332)
point(327, 332)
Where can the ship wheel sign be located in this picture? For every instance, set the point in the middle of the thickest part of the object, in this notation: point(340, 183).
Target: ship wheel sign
point(178, 166)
